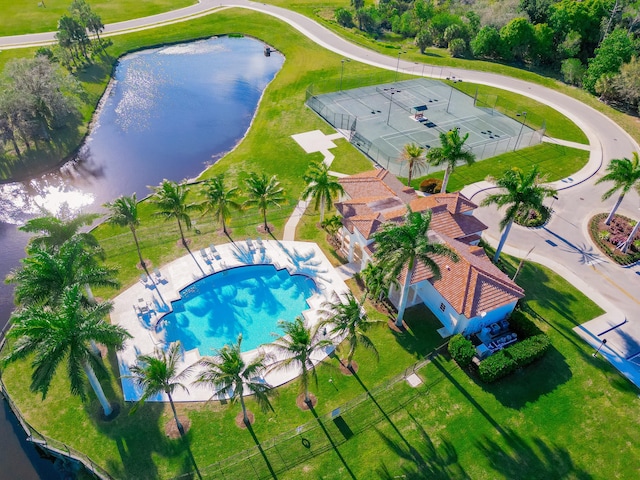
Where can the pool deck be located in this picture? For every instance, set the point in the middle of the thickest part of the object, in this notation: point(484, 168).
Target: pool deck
point(157, 293)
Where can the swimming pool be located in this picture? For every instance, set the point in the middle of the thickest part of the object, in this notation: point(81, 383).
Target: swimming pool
point(249, 300)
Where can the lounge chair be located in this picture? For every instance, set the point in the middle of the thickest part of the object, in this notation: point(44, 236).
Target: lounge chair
point(260, 243)
point(144, 279)
point(143, 306)
point(214, 251)
point(157, 274)
point(205, 256)
point(250, 245)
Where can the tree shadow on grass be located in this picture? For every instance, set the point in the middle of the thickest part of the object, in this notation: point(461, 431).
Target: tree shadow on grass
point(534, 459)
point(262, 452)
point(426, 460)
point(333, 444)
point(531, 382)
point(420, 337)
point(139, 438)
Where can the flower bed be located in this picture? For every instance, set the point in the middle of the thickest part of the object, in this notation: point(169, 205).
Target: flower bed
point(608, 237)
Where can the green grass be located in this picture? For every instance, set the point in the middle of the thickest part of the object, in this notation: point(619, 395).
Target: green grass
point(544, 422)
point(555, 161)
point(26, 16)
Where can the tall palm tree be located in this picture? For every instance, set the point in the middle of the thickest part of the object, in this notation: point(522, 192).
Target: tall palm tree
point(412, 153)
point(171, 202)
point(220, 201)
point(625, 175)
point(404, 245)
point(346, 317)
point(296, 347)
point(46, 274)
point(62, 333)
point(264, 192)
point(451, 151)
point(227, 372)
point(321, 186)
point(158, 373)
point(521, 192)
point(625, 246)
point(123, 212)
point(52, 232)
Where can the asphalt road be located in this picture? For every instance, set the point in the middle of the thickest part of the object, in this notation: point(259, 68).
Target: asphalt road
point(563, 244)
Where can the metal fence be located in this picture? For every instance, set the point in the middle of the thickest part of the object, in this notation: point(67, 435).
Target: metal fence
point(323, 433)
point(50, 445)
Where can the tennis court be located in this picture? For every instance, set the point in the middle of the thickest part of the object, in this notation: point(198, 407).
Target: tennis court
point(381, 119)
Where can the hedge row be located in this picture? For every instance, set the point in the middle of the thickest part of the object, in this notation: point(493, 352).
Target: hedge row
point(522, 325)
point(461, 350)
point(522, 353)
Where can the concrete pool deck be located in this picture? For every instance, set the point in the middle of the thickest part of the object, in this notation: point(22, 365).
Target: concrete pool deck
point(297, 257)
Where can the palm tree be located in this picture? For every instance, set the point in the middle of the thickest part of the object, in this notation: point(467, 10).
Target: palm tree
point(625, 245)
point(347, 318)
point(53, 232)
point(625, 175)
point(404, 245)
point(521, 192)
point(296, 346)
point(46, 274)
point(264, 192)
point(158, 373)
point(171, 201)
point(376, 281)
point(321, 186)
point(412, 153)
point(62, 333)
point(123, 212)
point(228, 373)
point(219, 200)
point(449, 153)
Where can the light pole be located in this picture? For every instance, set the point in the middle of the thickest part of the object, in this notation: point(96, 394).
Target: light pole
point(398, 65)
point(390, 102)
point(342, 70)
point(524, 121)
point(595, 354)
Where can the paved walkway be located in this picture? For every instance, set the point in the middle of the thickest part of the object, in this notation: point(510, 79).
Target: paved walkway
point(563, 244)
point(311, 142)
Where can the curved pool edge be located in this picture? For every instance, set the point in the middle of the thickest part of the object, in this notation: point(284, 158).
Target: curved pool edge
point(298, 258)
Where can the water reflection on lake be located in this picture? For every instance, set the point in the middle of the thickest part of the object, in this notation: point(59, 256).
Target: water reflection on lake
point(169, 113)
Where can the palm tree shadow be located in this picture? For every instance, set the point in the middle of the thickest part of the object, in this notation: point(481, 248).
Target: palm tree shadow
point(262, 452)
point(525, 460)
point(427, 461)
point(333, 444)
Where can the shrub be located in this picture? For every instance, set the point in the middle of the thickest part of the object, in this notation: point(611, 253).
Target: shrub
point(502, 363)
point(522, 325)
point(461, 350)
point(431, 185)
point(457, 48)
point(604, 235)
point(344, 17)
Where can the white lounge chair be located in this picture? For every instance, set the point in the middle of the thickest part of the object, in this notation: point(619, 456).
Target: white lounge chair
point(158, 275)
point(205, 256)
point(250, 245)
point(143, 306)
point(214, 252)
point(260, 243)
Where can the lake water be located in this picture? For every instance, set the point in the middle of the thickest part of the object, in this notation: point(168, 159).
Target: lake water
point(170, 113)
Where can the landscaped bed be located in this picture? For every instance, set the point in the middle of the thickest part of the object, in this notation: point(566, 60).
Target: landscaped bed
point(609, 237)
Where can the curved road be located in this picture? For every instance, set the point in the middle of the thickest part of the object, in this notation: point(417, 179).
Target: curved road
point(564, 243)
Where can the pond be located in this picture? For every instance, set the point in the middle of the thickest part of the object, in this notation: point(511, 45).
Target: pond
point(169, 113)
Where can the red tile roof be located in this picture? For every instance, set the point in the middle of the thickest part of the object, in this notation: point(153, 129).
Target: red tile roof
point(473, 284)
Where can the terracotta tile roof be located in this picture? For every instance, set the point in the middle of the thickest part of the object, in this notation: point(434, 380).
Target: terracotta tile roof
point(471, 285)
point(454, 226)
point(455, 203)
point(377, 182)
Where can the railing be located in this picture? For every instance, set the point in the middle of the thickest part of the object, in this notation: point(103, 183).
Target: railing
point(50, 445)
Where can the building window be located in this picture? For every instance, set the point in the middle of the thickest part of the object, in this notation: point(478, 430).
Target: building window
point(443, 307)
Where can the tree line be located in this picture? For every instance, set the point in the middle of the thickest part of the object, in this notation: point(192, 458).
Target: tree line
point(591, 43)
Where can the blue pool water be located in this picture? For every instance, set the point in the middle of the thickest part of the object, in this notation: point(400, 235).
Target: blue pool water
point(248, 300)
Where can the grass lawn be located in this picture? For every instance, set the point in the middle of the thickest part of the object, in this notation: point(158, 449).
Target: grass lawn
point(555, 161)
point(27, 16)
point(544, 422)
point(547, 419)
